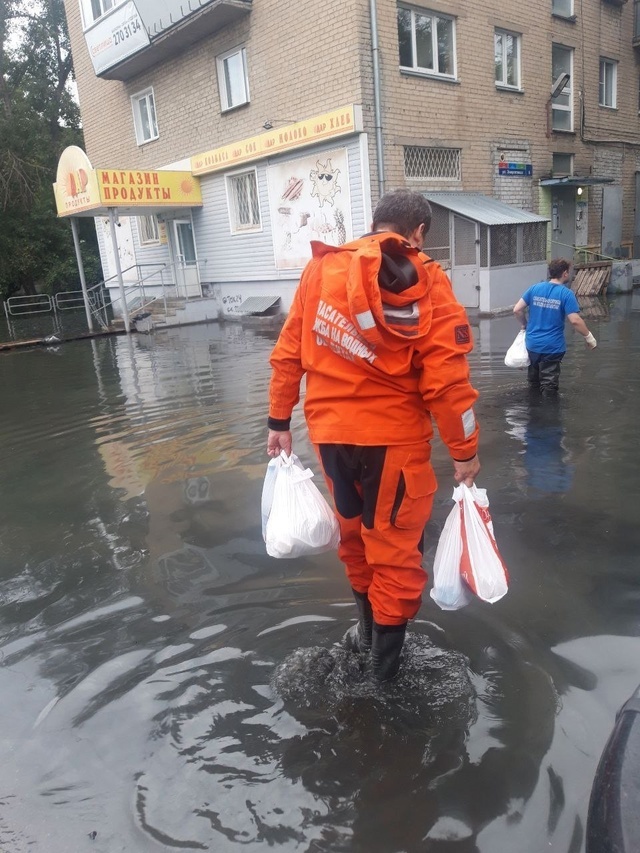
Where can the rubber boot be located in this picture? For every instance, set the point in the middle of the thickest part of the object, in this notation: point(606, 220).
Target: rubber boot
point(358, 637)
point(387, 642)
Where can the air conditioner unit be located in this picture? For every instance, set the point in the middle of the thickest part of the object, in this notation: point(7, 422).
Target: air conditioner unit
point(615, 2)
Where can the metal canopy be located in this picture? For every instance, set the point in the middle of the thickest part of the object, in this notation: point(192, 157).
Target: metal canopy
point(483, 208)
point(574, 181)
point(257, 304)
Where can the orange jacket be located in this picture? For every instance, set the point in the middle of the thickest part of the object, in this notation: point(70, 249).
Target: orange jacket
point(378, 363)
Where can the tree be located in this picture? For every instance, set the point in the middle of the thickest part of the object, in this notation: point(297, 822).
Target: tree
point(38, 119)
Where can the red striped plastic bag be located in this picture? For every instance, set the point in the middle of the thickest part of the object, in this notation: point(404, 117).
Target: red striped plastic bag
point(481, 565)
point(450, 592)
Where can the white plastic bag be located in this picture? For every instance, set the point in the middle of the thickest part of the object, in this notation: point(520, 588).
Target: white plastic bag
point(450, 592)
point(299, 520)
point(481, 565)
point(517, 355)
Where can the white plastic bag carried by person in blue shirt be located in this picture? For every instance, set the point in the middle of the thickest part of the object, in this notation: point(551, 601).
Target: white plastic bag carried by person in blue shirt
point(296, 519)
point(517, 355)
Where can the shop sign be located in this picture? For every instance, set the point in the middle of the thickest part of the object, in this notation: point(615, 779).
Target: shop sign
point(340, 122)
point(76, 187)
point(79, 187)
point(127, 188)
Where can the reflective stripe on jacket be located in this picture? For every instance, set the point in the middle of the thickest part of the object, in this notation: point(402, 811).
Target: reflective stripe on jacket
point(378, 362)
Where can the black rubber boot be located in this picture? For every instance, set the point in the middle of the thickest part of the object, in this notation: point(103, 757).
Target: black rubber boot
point(358, 637)
point(387, 642)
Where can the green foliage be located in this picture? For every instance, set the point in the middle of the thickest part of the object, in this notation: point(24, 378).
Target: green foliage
point(38, 119)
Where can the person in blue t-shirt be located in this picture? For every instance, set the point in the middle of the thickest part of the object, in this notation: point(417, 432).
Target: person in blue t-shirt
point(548, 304)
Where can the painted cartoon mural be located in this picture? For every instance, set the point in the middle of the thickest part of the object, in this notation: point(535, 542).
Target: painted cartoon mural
point(310, 200)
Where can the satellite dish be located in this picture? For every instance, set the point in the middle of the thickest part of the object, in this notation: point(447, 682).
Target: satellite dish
point(559, 83)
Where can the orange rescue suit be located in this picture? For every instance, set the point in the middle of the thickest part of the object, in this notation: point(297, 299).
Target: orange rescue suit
point(380, 362)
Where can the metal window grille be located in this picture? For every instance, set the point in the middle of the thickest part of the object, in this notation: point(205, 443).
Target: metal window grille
point(504, 245)
point(534, 241)
point(435, 163)
point(437, 244)
point(484, 246)
point(244, 200)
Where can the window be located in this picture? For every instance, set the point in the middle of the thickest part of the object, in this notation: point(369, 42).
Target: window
point(148, 229)
point(562, 103)
point(438, 163)
point(608, 83)
point(244, 207)
point(232, 79)
point(144, 116)
point(101, 7)
point(427, 42)
point(564, 8)
point(562, 165)
point(507, 59)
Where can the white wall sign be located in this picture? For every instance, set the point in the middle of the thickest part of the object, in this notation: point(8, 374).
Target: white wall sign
point(309, 199)
point(117, 35)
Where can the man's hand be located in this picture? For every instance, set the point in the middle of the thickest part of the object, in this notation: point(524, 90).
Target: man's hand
point(466, 472)
point(277, 441)
point(590, 341)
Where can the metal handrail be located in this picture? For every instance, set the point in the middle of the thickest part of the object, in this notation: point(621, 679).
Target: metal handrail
point(44, 300)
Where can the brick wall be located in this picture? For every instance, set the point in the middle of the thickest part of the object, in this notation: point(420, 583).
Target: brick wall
point(302, 63)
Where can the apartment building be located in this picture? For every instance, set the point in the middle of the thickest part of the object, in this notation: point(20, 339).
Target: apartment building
point(519, 121)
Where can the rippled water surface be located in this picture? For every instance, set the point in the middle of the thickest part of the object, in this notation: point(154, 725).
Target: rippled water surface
point(165, 685)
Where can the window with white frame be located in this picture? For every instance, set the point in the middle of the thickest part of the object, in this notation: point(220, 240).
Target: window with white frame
point(608, 83)
point(95, 9)
point(233, 81)
point(564, 8)
point(423, 163)
point(562, 103)
point(144, 116)
point(148, 230)
point(244, 206)
point(427, 42)
point(507, 59)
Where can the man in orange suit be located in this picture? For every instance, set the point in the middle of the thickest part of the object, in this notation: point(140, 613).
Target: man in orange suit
point(377, 330)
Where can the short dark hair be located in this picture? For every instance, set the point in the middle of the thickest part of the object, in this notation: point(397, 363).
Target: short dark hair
point(402, 211)
point(559, 266)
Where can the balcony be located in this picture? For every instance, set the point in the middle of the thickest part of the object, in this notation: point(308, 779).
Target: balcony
point(138, 34)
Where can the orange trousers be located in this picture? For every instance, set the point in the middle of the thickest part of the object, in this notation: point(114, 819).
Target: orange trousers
point(383, 498)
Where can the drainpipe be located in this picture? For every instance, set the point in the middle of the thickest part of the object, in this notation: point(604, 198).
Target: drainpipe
point(377, 108)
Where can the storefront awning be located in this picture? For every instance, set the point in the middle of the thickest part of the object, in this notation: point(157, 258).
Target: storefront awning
point(574, 181)
point(81, 190)
point(483, 208)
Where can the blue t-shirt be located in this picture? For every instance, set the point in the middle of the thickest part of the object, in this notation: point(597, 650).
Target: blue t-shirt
point(548, 304)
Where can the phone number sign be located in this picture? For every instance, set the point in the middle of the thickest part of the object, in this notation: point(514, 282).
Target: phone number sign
point(117, 35)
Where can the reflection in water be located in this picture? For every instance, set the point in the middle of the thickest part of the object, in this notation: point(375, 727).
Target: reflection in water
point(538, 424)
point(164, 684)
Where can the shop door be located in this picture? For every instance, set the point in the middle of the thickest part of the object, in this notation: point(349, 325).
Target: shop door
point(187, 277)
point(563, 223)
point(465, 261)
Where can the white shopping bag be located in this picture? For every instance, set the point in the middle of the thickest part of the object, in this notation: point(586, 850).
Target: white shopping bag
point(299, 521)
point(450, 592)
point(517, 355)
point(481, 565)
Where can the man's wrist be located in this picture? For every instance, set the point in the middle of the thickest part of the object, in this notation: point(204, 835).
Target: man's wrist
point(279, 424)
point(465, 460)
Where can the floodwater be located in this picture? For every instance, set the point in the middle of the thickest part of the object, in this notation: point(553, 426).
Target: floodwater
point(165, 685)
